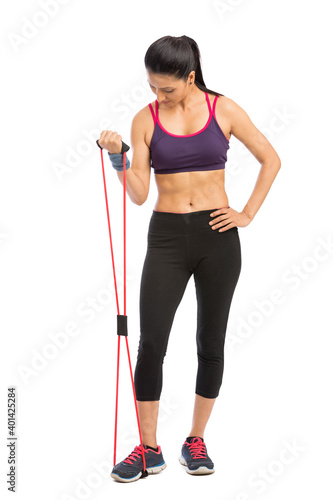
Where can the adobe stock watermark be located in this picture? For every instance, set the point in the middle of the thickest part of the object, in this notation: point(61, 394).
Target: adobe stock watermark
point(267, 474)
point(30, 28)
point(129, 438)
point(293, 278)
point(277, 124)
point(85, 487)
point(3, 237)
point(224, 7)
point(125, 105)
point(86, 311)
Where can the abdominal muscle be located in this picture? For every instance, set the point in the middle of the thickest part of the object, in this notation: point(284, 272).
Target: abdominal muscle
point(185, 192)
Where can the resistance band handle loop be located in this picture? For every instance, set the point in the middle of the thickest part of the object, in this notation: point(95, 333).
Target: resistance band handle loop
point(124, 147)
point(122, 325)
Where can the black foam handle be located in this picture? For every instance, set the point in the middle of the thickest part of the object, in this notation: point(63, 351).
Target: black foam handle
point(124, 147)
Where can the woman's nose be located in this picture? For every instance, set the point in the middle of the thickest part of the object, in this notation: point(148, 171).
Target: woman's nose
point(161, 96)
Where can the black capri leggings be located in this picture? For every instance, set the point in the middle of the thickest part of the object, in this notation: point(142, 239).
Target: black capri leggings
point(180, 245)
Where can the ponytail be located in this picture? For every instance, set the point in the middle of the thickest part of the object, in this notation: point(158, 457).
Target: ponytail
point(176, 56)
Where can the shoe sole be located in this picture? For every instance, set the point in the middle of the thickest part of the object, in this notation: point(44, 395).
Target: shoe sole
point(150, 470)
point(200, 471)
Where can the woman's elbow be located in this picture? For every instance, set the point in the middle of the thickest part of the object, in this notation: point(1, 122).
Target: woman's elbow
point(273, 162)
point(278, 162)
point(139, 200)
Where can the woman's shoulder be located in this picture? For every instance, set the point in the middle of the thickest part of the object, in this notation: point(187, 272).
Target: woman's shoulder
point(227, 106)
point(144, 114)
point(222, 101)
point(227, 102)
point(142, 123)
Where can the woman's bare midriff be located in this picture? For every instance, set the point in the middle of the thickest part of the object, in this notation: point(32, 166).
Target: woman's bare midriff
point(191, 191)
point(185, 192)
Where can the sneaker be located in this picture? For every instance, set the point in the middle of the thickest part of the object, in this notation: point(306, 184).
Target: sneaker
point(131, 469)
point(194, 457)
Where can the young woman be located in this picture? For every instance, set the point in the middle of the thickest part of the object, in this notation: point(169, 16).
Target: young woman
point(184, 136)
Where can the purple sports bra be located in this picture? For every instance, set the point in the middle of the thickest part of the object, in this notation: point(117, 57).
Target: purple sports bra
point(203, 150)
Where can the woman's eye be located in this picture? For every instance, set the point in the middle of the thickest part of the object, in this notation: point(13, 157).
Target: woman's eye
point(166, 91)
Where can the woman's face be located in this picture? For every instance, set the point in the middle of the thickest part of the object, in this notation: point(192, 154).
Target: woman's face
point(168, 89)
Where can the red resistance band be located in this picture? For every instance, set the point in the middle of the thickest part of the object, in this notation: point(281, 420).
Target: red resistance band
point(121, 319)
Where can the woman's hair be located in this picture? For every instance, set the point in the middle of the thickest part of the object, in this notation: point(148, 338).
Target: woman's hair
point(176, 56)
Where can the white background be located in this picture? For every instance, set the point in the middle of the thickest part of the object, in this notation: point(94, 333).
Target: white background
point(65, 73)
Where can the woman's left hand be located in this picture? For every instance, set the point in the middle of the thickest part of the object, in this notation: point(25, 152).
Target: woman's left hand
point(229, 218)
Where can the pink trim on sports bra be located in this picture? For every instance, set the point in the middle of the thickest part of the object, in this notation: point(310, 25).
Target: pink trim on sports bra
point(152, 112)
point(214, 106)
point(211, 114)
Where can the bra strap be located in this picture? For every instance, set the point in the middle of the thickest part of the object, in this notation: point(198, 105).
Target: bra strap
point(214, 104)
point(209, 106)
point(152, 112)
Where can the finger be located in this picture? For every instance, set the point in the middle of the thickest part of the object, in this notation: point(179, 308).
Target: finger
point(223, 222)
point(116, 137)
point(106, 135)
point(225, 228)
point(103, 138)
point(220, 211)
point(218, 219)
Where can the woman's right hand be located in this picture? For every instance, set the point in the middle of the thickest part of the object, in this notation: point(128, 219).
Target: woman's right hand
point(111, 141)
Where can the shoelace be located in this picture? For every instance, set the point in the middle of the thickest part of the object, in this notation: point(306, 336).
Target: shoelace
point(197, 448)
point(133, 457)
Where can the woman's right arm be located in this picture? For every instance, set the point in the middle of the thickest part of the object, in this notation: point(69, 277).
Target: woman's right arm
point(138, 175)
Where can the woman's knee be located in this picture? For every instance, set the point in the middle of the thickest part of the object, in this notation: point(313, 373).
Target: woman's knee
point(151, 348)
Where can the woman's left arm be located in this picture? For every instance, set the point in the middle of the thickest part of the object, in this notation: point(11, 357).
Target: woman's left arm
point(244, 130)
